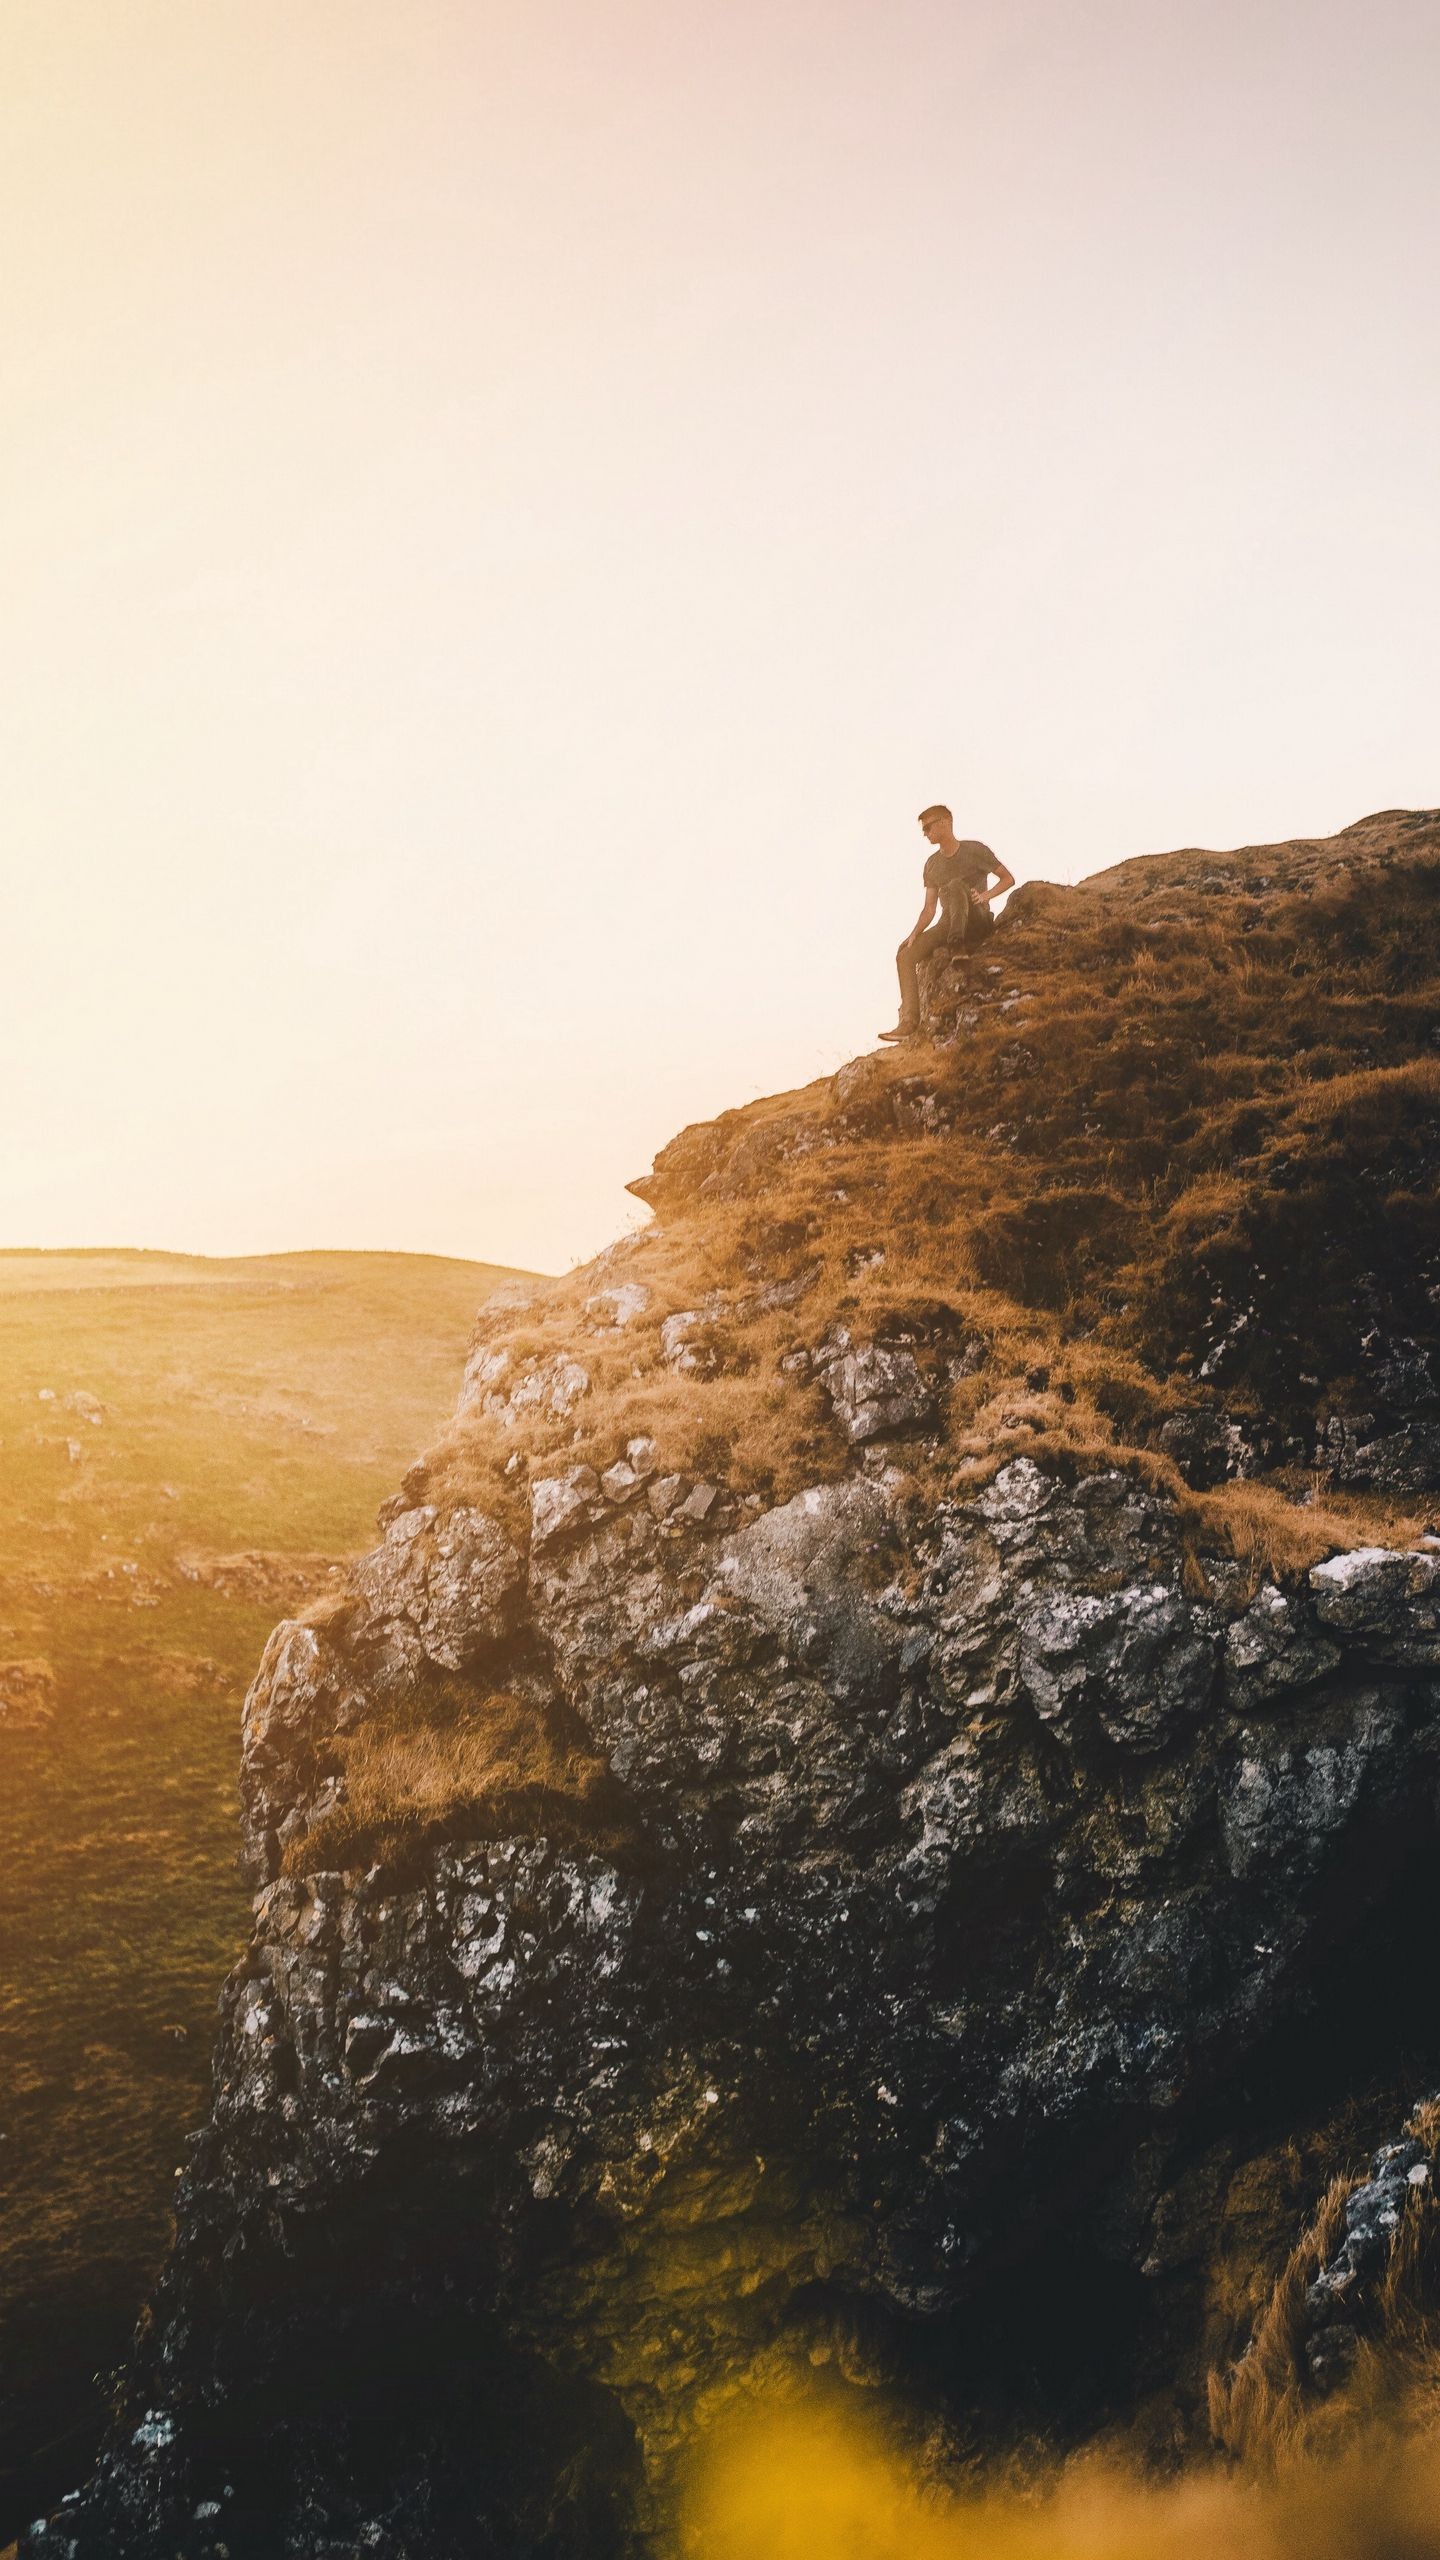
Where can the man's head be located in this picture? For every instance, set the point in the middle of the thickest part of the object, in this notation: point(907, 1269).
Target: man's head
point(937, 823)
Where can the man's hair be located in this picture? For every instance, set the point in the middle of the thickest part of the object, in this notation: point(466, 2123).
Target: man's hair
point(938, 810)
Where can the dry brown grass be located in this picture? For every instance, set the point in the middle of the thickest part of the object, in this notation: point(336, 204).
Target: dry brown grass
point(1261, 2410)
point(1064, 1189)
point(1264, 2411)
point(1400, 2358)
point(461, 1773)
point(1269, 1529)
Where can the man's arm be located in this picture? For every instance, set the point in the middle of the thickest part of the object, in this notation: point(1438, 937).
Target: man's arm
point(1004, 880)
point(927, 912)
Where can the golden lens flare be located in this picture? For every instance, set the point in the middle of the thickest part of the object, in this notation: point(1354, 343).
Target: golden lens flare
point(812, 2485)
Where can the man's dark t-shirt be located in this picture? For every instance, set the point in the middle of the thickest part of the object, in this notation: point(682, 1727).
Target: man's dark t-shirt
point(952, 876)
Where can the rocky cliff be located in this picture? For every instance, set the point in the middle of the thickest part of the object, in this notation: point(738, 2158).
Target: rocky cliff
point(880, 1771)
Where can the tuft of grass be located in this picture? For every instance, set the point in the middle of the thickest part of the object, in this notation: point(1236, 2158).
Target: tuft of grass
point(1261, 2410)
point(490, 1763)
point(1267, 1528)
point(1264, 2411)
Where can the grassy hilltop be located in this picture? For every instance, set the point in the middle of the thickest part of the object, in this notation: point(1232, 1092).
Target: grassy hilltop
point(1165, 1173)
point(1157, 1190)
point(186, 1446)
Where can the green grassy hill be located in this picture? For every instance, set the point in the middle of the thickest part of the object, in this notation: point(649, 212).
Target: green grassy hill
point(185, 1448)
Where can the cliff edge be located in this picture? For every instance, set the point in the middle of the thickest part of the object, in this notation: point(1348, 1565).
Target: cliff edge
point(878, 1773)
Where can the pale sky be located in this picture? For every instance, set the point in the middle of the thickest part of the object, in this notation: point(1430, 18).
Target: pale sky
point(509, 507)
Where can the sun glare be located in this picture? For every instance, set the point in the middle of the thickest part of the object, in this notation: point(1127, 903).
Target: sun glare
point(816, 2484)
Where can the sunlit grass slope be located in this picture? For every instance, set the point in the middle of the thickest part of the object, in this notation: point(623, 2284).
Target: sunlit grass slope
point(185, 1445)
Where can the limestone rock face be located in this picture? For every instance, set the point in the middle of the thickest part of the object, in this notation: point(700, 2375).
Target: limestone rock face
point(448, 1588)
point(916, 1872)
point(965, 1851)
point(877, 1389)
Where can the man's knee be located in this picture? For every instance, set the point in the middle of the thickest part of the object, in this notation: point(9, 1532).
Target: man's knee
point(904, 951)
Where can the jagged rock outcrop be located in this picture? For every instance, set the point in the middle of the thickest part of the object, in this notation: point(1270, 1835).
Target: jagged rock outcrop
point(1401, 2175)
point(912, 1871)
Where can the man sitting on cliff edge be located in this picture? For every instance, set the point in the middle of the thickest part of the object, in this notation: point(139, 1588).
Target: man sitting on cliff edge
point(957, 878)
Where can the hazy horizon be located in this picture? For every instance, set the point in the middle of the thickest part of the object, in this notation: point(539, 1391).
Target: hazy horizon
point(509, 510)
point(628, 1213)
